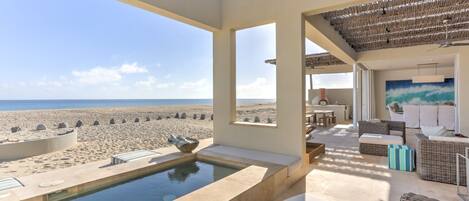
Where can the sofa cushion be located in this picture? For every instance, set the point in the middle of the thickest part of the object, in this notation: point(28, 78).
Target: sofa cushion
point(435, 131)
point(428, 115)
point(370, 138)
point(412, 116)
point(449, 139)
point(446, 116)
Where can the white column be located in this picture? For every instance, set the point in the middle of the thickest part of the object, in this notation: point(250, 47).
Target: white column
point(288, 136)
point(372, 97)
point(365, 95)
point(456, 92)
point(310, 91)
point(461, 90)
point(359, 93)
point(355, 95)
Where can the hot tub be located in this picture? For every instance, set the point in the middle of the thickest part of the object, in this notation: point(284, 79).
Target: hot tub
point(163, 185)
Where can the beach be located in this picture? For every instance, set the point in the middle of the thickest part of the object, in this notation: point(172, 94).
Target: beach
point(100, 142)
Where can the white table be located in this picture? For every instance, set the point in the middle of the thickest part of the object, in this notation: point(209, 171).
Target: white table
point(342, 112)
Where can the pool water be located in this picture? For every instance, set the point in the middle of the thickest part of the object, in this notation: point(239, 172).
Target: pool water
point(164, 185)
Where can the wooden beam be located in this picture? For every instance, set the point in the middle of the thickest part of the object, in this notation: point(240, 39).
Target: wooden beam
point(391, 7)
point(400, 23)
point(361, 35)
point(417, 8)
point(435, 17)
point(312, 60)
point(456, 35)
point(318, 30)
point(412, 41)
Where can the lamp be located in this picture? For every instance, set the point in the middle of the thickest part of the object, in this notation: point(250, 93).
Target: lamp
point(428, 78)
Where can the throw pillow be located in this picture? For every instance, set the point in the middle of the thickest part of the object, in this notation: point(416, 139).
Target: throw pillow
point(434, 131)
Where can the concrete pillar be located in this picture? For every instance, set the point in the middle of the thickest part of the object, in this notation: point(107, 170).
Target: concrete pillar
point(365, 95)
point(310, 91)
point(288, 136)
point(462, 89)
point(290, 78)
point(355, 95)
point(359, 93)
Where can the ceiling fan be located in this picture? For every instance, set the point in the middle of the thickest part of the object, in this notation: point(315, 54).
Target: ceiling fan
point(448, 43)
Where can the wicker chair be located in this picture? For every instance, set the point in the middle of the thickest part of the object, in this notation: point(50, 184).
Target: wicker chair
point(436, 160)
point(383, 127)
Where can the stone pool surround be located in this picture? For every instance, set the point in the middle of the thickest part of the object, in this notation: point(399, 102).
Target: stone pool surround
point(256, 181)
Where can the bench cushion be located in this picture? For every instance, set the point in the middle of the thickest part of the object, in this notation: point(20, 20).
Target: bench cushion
point(292, 162)
point(370, 138)
point(449, 139)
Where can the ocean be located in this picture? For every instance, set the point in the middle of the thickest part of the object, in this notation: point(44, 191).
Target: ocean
point(15, 105)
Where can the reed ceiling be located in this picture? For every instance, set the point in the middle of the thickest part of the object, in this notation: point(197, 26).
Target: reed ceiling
point(401, 23)
point(314, 60)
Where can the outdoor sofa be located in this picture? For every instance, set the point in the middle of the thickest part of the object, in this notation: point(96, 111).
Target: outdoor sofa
point(436, 160)
point(374, 137)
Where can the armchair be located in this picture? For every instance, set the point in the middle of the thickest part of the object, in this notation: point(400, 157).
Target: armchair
point(436, 160)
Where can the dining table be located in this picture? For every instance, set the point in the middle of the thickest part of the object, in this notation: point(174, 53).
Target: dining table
point(323, 113)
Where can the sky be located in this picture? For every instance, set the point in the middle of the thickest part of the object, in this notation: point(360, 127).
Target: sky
point(88, 49)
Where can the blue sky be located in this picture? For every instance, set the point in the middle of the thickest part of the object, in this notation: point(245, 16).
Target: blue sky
point(88, 49)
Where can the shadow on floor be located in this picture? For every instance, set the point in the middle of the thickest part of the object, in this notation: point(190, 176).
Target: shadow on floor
point(345, 174)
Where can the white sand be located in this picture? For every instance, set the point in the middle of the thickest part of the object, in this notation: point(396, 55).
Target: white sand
point(100, 142)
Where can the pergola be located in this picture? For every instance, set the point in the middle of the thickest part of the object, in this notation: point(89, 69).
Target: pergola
point(315, 60)
point(400, 23)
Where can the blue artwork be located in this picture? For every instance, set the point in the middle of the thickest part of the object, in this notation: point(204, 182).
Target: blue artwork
point(401, 92)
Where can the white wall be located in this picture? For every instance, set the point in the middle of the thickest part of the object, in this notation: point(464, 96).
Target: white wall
point(382, 76)
point(288, 136)
point(342, 96)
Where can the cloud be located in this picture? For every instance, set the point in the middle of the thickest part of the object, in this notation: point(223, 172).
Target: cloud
point(164, 85)
point(152, 82)
point(196, 89)
point(4, 86)
point(132, 68)
point(48, 84)
point(146, 83)
point(261, 88)
point(195, 85)
point(99, 75)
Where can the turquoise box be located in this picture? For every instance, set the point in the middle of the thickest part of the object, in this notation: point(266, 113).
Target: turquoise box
point(401, 157)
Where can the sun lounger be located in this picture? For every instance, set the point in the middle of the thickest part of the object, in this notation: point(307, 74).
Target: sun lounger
point(132, 156)
point(9, 183)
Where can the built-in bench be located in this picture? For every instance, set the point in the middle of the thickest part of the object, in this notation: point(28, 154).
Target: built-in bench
point(293, 163)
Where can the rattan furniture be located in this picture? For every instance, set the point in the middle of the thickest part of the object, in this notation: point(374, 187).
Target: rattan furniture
point(415, 197)
point(382, 127)
point(436, 160)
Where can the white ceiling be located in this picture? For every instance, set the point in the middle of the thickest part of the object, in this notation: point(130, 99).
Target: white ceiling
point(442, 60)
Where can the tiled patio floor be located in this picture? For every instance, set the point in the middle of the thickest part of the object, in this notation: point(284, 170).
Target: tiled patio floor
point(345, 174)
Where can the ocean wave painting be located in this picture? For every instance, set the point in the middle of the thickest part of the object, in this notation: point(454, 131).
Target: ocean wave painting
point(401, 92)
